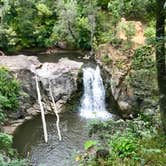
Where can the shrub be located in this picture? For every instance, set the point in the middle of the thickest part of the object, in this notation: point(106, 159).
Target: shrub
point(5, 142)
point(143, 70)
point(150, 32)
point(84, 34)
point(129, 31)
point(8, 156)
point(143, 58)
point(131, 142)
point(124, 145)
point(9, 90)
point(3, 100)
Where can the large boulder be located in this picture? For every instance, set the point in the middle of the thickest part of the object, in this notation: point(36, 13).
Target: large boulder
point(61, 77)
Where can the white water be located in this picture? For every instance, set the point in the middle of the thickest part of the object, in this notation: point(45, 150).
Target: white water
point(93, 100)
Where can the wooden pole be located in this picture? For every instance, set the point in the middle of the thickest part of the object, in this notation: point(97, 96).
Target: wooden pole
point(56, 112)
point(42, 110)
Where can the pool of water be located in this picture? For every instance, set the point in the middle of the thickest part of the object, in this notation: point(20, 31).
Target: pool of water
point(29, 141)
point(76, 56)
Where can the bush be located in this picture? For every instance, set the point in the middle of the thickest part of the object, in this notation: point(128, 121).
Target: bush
point(131, 142)
point(143, 59)
point(9, 90)
point(3, 101)
point(143, 70)
point(124, 145)
point(83, 28)
point(5, 142)
point(8, 156)
point(9, 93)
point(5, 161)
point(150, 32)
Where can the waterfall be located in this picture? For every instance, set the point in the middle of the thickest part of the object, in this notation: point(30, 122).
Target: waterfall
point(93, 100)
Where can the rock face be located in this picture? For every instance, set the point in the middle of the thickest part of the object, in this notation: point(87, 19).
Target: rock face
point(116, 72)
point(62, 77)
point(116, 63)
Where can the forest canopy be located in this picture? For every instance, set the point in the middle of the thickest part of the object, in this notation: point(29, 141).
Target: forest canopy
point(81, 24)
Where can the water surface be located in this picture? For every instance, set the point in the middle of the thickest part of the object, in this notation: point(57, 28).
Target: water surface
point(29, 140)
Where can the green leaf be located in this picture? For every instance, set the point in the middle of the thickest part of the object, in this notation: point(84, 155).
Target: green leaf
point(89, 144)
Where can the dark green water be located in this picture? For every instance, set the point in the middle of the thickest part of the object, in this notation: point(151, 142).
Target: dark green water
point(29, 140)
point(55, 57)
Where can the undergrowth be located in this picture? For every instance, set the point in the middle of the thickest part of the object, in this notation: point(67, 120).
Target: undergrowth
point(8, 155)
point(9, 93)
point(139, 141)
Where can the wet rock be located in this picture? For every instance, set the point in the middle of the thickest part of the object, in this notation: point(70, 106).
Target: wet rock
point(9, 129)
point(32, 111)
point(17, 115)
point(115, 76)
point(2, 53)
point(12, 126)
point(19, 63)
point(62, 45)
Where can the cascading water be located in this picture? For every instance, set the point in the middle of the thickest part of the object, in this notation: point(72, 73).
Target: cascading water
point(93, 100)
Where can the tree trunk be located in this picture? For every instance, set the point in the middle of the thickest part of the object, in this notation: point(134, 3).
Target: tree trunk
point(160, 58)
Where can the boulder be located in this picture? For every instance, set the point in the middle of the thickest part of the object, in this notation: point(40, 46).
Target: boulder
point(62, 77)
point(20, 62)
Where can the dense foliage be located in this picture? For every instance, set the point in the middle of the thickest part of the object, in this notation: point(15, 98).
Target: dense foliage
point(82, 24)
point(9, 93)
point(143, 70)
point(132, 142)
point(8, 156)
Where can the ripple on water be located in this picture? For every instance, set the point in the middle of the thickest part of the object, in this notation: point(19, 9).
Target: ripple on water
point(28, 139)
